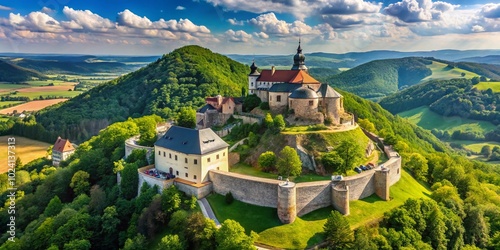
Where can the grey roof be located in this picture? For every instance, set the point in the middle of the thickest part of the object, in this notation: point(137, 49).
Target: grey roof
point(326, 90)
point(304, 92)
point(191, 141)
point(284, 87)
point(206, 108)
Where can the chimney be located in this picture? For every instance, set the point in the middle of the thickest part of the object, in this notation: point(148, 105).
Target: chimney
point(219, 100)
point(273, 69)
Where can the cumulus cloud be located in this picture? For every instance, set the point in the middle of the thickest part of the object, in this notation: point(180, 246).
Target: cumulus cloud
point(35, 21)
point(129, 19)
point(411, 11)
point(270, 24)
point(477, 28)
point(261, 35)
point(491, 10)
point(180, 8)
point(234, 21)
point(48, 10)
point(85, 20)
point(238, 36)
point(339, 21)
point(299, 8)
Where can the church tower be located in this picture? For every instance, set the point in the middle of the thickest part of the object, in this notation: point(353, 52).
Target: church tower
point(298, 60)
point(252, 79)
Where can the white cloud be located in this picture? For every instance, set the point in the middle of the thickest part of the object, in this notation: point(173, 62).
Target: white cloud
point(238, 36)
point(234, 21)
point(270, 24)
point(491, 10)
point(47, 10)
point(2, 7)
point(261, 35)
point(180, 8)
point(129, 19)
point(477, 28)
point(86, 20)
point(418, 10)
point(345, 7)
point(35, 21)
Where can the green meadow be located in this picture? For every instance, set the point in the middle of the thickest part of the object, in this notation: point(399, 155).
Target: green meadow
point(495, 86)
point(442, 71)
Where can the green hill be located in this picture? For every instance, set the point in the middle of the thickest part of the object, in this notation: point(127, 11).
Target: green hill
point(181, 78)
point(14, 73)
point(382, 77)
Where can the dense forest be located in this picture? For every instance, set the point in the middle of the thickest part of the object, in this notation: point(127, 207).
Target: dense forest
point(14, 73)
point(182, 78)
point(456, 97)
point(382, 77)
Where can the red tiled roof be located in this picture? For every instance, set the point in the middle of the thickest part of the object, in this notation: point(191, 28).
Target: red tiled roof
point(62, 145)
point(286, 76)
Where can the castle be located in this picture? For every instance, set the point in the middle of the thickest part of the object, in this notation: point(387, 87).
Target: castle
point(296, 91)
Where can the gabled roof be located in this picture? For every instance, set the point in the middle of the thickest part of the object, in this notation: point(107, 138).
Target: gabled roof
point(286, 76)
point(206, 108)
point(326, 90)
point(62, 145)
point(284, 87)
point(191, 141)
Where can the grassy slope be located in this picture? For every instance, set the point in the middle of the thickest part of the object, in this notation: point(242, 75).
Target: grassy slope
point(307, 230)
point(25, 148)
point(495, 86)
point(440, 71)
point(425, 118)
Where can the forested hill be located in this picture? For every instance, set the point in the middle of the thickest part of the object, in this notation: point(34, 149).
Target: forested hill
point(182, 78)
point(382, 77)
point(14, 73)
point(456, 97)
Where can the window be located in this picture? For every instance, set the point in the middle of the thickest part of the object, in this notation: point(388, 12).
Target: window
point(217, 157)
point(398, 170)
point(164, 154)
point(159, 152)
point(217, 168)
point(252, 84)
point(194, 177)
point(311, 103)
point(291, 103)
point(195, 161)
point(186, 160)
point(251, 91)
point(224, 154)
point(186, 175)
point(176, 157)
point(176, 172)
point(208, 159)
point(170, 156)
point(278, 98)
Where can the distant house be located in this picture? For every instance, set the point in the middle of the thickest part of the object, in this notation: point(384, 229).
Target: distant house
point(61, 151)
point(217, 111)
point(189, 153)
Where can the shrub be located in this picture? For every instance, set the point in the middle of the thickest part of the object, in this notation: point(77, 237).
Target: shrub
point(229, 198)
point(264, 105)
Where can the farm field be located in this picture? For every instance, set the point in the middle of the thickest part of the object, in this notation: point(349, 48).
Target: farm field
point(427, 119)
point(31, 106)
point(26, 149)
point(307, 230)
point(495, 86)
point(8, 87)
point(441, 71)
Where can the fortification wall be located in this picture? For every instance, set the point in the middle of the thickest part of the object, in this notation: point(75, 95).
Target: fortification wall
point(360, 185)
point(312, 196)
point(197, 191)
point(131, 144)
point(248, 119)
point(249, 189)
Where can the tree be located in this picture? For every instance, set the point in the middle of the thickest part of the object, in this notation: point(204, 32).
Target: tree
point(171, 199)
point(77, 245)
point(351, 154)
point(279, 122)
point(486, 150)
point(19, 163)
point(289, 163)
point(477, 228)
point(130, 181)
point(54, 207)
point(137, 243)
point(267, 161)
point(418, 165)
point(338, 231)
point(333, 163)
point(97, 199)
point(366, 124)
point(231, 235)
point(268, 121)
point(171, 242)
point(80, 182)
point(251, 102)
point(186, 118)
point(200, 232)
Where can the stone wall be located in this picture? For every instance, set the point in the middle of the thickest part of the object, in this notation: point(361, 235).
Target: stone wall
point(233, 158)
point(249, 119)
point(199, 191)
point(131, 144)
point(249, 189)
point(312, 196)
point(274, 105)
point(162, 184)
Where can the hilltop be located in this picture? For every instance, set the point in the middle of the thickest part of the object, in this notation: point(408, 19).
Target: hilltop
point(14, 73)
point(181, 78)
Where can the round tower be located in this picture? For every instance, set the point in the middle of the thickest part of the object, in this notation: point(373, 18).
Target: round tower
point(252, 79)
point(287, 203)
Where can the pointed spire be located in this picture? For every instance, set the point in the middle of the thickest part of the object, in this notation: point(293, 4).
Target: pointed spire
point(253, 68)
point(299, 49)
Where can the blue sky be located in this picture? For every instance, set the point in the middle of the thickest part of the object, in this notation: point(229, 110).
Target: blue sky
point(246, 27)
